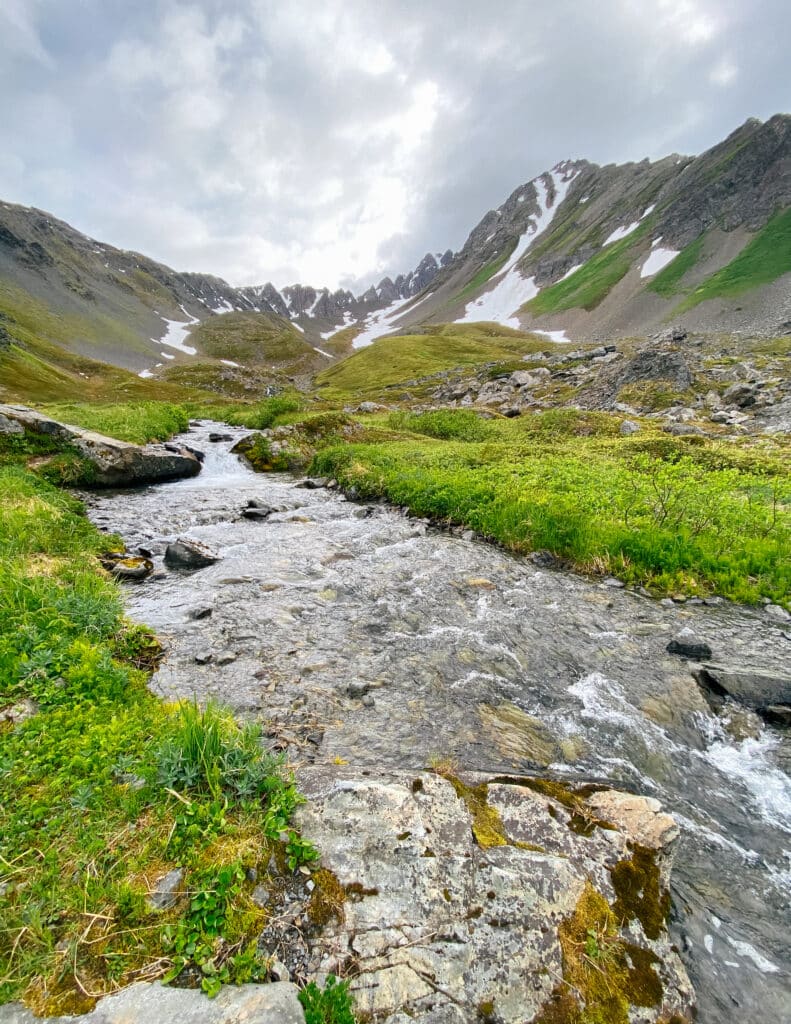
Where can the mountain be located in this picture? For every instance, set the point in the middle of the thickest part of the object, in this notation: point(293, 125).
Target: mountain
point(591, 252)
point(581, 253)
point(99, 302)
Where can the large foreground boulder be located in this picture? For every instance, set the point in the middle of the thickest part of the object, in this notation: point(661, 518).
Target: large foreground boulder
point(112, 463)
point(144, 1003)
point(513, 900)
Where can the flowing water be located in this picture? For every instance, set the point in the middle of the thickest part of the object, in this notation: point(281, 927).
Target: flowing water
point(360, 634)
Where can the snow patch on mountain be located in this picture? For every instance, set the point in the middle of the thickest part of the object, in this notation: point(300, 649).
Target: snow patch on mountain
point(177, 331)
point(657, 260)
point(348, 320)
point(379, 323)
point(512, 290)
point(622, 232)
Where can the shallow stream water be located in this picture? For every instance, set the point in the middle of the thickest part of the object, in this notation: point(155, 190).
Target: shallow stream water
point(454, 649)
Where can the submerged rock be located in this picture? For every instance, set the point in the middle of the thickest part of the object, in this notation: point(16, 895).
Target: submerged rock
point(128, 567)
point(688, 645)
point(757, 689)
point(189, 554)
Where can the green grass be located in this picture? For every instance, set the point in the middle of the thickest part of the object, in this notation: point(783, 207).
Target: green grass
point(254, 339)
point(256, 416)
point(394, 362)
point(447, 424)
point(589, 285)
point(138, 422)
point(103, 788)
point(484, 274)
point(766, 257)
point(667, 281)
point(679, 515)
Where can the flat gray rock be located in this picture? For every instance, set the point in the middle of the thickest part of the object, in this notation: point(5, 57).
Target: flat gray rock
point(146, 1003)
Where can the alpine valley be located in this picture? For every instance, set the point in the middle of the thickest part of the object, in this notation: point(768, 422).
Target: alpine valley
point(414, 656)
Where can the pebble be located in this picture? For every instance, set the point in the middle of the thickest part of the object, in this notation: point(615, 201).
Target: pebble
point(226, 658)
point(203, 657)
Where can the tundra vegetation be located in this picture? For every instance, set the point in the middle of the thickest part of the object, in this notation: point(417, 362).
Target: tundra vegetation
point(106, 790)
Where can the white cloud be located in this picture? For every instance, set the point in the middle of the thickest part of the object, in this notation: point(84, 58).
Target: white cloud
point(18, 21)
point(724, 72)
point(337, 140)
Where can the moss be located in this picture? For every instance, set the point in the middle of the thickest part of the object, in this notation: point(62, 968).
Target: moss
point(561, 1008)
point(327, 899)
point(487, 825)
point(639, 892)
point(356, 891)
point(486, 1011)
point(603, 976)
point(581, 819)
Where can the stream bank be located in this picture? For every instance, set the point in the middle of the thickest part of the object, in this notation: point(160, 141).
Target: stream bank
point(367, 638)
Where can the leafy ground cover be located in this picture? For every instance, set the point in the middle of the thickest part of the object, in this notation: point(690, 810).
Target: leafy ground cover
point(103, 789)
point(138, 422)
point(676, 514)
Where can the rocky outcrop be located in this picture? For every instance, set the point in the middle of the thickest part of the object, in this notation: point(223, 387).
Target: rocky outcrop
point(154, 1004)
point(768, 693)
point(111, 463)
point(493, 898)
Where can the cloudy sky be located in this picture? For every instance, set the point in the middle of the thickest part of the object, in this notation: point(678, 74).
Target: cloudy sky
point(334, 141)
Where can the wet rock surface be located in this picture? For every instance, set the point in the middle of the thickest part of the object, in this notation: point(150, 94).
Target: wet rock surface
point(458, 651)
point(451, 894)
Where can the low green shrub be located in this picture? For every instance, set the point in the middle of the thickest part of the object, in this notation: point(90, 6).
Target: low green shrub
point(331, 1005)
point(447, 424)
point(677, 516)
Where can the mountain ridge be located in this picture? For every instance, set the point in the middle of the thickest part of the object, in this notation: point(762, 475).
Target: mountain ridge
point(580, 252)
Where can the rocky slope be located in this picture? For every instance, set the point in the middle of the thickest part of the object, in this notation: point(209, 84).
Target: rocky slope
point(581, 252)
point(125, 309)
point(615, 251)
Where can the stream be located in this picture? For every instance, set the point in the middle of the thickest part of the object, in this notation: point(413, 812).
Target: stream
point(357, 633)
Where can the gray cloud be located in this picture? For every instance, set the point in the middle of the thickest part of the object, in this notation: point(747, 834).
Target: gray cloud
point(334, 141)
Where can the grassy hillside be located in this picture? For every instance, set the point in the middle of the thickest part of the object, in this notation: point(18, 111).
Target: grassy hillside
point(28, 319)
point(395, 361)
point(41, 373)
point(766, 257)
point(252, 339)
point(592, 283)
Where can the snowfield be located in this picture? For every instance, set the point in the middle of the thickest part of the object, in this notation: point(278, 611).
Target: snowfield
point(379, 323)
point(177, 331)
point(657, 260)
point(620, 233)
point(511, 291)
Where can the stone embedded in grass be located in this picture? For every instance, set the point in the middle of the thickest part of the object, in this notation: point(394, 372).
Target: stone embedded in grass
point(189, 554)
point(167, 890)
